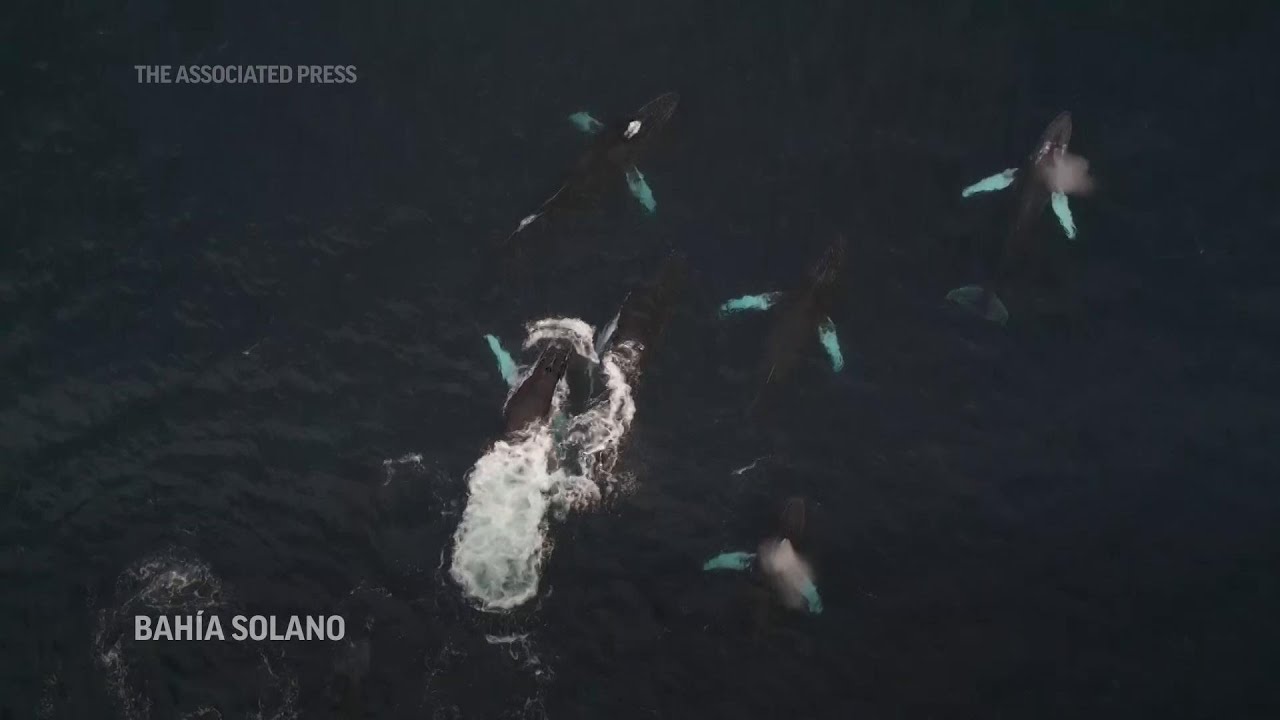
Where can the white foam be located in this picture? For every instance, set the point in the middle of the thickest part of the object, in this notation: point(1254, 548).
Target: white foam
point(598, 432)
point(501, 544)
point(575, 333)
point(578, 334)
point(389, 465)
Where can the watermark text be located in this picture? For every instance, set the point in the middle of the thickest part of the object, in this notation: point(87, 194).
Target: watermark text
point(245, 74)
point(240, 627)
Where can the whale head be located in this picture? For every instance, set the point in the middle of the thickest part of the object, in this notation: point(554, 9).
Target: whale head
point(826, 272)
point(1054, 139)
point(650, 119)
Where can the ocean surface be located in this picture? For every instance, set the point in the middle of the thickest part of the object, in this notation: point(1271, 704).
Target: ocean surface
point(244, 367)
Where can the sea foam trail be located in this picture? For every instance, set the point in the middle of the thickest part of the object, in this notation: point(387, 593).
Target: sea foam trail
point(501, 544)
point(598, 432)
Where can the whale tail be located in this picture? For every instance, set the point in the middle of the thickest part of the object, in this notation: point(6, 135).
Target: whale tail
point(982, 301)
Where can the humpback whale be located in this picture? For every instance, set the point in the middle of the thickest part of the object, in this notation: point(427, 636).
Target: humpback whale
point(500, 543)
point(612, 155)
point(778, 562)
point(531, 402)
point(1046, 177)
point(800, 314)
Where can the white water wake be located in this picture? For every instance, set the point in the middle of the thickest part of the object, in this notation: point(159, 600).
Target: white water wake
point(598, 432)
point(575, 332)
point(501, 544)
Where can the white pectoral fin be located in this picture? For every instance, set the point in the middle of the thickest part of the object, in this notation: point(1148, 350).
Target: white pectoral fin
point(584, 122)
point(1063, 211)
point(991, 183)
point(640, 190)
point(831, 343)
point(763, 301)
point(506, 365)
point(730, 561)
point(810, 593)
point(602, 342)
point(606, 333)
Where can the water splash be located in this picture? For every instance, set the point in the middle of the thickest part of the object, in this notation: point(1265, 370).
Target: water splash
point(577, 333)
point(501, 544)
point(171, 581)
point(389, 465)
point(176, 582)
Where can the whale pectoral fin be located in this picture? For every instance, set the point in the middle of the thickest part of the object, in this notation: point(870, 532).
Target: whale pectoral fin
point(730, 561)
point(763, 301)
point(810, 593)
point(640, 190)
point(972, 296)
point(506, 365)
point(999, 181)
point(1063, 211)
point(606, 332)
point(831, 343)
point(584, 122)
point(602, 342)
point(559, 428)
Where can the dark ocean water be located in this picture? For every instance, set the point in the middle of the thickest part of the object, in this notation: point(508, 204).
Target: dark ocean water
point(231, 315)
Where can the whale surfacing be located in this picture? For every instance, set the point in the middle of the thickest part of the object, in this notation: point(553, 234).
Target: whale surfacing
point(531, 402)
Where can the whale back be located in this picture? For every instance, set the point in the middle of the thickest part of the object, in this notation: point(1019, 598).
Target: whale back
point(531, 402)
